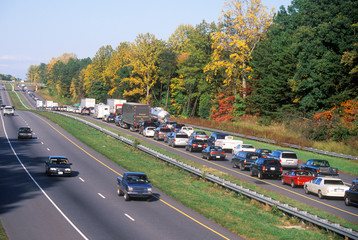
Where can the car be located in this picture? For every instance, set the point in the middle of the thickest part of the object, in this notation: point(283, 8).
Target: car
point(215, 136)
point(351, 195)
point(326, 187)
point(199, 135)
point(195, 145)
point(177, 127)
point(355, 181)
point(134, 185)
point(160, 133)
point(167, 137)
point(58, 165)
point(145, 124)
point(24, 132)
point(264, 152)
point(243, 148)
point(117, 120)
point(297, 177)
point(148, 132)
point(288, 159)
point(187, 130)
point(169, 124)
point(320, 167)
point(85, 111)
point(178, 139)
point(223, 140)
point(110, 118)
point(2, 106)
point(243, 160)
point(213, 152)
point(104, 119)
point(266, 167)
point(8, 110)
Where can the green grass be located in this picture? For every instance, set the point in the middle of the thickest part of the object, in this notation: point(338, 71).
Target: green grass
point(2, 233)
point(238, 214)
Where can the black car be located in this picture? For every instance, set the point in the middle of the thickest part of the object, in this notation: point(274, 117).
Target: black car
point(196, 145)
point(264, 152)
point(160, 133)
point(265, 167)
point(24, 132)
point(351, 196)
point(244, 160)
point(110, 118)
point(213, 152)
point(58, 165)
point(145, 124)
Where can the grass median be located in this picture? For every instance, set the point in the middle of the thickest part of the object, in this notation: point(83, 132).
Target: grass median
point(238, 214)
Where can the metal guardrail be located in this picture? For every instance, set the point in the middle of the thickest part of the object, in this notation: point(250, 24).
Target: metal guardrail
point(303, 215)
point(274, 142)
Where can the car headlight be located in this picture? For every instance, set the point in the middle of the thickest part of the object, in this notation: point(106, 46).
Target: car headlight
point(149, 189)
point(52, 169)
point(68, 169)
point(130, 189)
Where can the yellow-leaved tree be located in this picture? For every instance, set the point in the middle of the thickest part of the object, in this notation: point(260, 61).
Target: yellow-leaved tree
point(144, 60)
point(242, 25)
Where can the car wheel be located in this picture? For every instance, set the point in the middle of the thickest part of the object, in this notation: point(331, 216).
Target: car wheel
point(242, 167)
point(191, 149)
point(186, 148)
point(347, 201)
point(126, 197)
point(320, 194)
point(306, 190)
point(260, 175)
point(251, 173)
point(233, 164)
point(293, 185)
point(119, 191)
point(282, 181)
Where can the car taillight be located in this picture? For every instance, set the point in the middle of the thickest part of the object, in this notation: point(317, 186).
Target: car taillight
point(205, 145)
point(194, 145)
point(298, 161)
point(281, 169)
point(280, 160)
point(263, 168)
point(174, 139)
point(317, 170)
point(245, 162)
point(206, 136)
point(337, 171)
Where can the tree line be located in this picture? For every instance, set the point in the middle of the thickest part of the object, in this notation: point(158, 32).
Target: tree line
point(298, 62)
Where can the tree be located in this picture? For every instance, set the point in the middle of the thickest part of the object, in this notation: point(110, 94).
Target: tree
point(144, 60)
point(242, 25)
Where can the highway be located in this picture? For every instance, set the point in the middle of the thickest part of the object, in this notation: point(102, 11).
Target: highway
point(85, 205)
point(332, 206)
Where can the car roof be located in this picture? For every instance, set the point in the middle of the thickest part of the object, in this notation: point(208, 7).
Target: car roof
point(57, 157)
point(330, 178)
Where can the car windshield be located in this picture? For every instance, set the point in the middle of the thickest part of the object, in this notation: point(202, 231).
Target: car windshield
point(247, 146)
point(320, 163)
point(272, 163)
point(181, 136)
point(216, 149)
point(150, 128)
point(200, 133)
point(221, 136)
point(59, 161)
point(289, 155)
point(304, 173)
point(25, 130)
point(137, 178)
point(333, 182)
point(199, 142)
point(165, 130)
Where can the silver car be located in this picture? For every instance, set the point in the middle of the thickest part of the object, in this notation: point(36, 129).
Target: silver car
point(178, 139)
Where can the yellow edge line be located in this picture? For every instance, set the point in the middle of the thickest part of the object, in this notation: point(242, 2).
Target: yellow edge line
point(169, 205)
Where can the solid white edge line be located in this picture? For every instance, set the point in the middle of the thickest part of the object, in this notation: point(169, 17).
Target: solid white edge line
point(43, 191)
point(129, 217)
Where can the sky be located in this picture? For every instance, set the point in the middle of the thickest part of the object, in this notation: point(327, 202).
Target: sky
point(34, 31)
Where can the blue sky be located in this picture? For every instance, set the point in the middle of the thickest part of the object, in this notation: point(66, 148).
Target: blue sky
point(34, 31)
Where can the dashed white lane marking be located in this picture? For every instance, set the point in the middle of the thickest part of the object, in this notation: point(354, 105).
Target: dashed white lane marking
point(42, 142)
point(129, 217)
point(101, 195)
point(82, 179)
point(48, 149)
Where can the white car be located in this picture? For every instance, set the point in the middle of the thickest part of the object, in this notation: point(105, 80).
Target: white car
point(148, 131)
point(187, 130)
point(243, 148)
point(326, 187)
point(8, 110)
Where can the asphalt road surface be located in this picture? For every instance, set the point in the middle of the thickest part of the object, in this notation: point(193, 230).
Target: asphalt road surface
point(85, 205)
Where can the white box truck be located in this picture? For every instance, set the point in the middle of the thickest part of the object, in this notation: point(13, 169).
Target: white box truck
point(88, 103)
point(39, 103)
point(100, 110)
point(114, 104)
